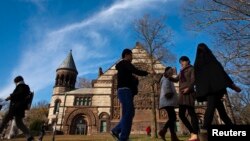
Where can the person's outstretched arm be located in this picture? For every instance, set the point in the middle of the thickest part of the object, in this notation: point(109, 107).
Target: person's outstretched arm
point(232, 85)
point(136, 71)
point(174, 79)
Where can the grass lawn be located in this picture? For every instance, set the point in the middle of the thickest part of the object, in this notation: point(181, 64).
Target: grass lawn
point(99, 137)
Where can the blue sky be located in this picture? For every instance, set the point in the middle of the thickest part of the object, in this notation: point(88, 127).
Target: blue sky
point(36, 36)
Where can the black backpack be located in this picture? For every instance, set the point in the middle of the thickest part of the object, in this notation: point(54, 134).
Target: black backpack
point(28, 100)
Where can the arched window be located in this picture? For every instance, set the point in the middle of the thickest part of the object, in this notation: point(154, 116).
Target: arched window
point(67, 80)
point(62, 80)
point(56, 106)
point(104, 122)
point(57, 79)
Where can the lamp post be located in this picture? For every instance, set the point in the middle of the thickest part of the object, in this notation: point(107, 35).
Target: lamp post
point(54, 128)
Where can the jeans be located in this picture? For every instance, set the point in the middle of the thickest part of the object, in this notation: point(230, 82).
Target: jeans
point(128, 111)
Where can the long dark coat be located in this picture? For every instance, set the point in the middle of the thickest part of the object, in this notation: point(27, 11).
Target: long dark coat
point(210, 76)
point(18, 100)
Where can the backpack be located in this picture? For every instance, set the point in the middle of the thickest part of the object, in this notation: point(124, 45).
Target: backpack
point(28, 100)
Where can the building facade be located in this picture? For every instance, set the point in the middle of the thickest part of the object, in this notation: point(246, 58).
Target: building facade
point(97, 109)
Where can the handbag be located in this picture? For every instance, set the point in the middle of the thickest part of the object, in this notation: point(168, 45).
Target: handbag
point(169, 95)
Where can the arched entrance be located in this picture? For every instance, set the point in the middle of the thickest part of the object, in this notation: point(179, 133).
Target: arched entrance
point(79, 125)
point(78, 117)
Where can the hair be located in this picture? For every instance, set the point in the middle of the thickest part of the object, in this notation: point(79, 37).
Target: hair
point(126, 52)
point(167, 68)
point(184, 58)
point(18, 79)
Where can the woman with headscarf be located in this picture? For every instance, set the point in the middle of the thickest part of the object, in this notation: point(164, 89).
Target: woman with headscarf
point(211, 82)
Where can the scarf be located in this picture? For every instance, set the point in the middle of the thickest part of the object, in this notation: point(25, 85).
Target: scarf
point(20, 82)
point(182, 74)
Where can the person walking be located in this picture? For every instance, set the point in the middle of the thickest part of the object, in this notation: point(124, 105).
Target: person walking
point(211, 83)
point(127, 88)
point(187, 97)
point(18, 105)
point(168, 101)
point(42, 132)
point(148, 130)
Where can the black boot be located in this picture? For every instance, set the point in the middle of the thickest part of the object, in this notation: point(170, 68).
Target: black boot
point(31, 139)
point(162, 134)
point(174, 137)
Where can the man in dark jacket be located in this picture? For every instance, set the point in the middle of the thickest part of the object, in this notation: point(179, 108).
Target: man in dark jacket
point(18, 105)
point(127, 88)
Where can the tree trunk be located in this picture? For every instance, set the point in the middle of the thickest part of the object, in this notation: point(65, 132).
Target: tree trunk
point(153, 111)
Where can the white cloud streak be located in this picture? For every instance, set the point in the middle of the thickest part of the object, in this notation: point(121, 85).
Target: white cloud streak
point(40, 59)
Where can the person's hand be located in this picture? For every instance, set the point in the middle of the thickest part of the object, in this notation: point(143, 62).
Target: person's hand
point(236, 88)
point(7, 99)
point(184, 91)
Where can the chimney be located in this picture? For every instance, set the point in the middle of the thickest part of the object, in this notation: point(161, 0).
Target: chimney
point(100, 72)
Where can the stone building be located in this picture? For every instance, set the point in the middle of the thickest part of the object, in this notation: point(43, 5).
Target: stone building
point(97, 109)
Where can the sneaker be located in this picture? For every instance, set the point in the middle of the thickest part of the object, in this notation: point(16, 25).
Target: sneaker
point(114, 135)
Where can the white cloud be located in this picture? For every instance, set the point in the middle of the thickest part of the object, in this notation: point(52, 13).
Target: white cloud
point(88, 39)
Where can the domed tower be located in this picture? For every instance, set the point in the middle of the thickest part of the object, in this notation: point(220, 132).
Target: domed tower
point(66, 75)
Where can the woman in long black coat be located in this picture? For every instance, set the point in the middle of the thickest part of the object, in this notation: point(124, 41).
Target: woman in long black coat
point(211, 82)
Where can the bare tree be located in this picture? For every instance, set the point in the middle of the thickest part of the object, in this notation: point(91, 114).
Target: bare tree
point(83, 83)
point(39, 111)
point(228, 21)
point(240, 105)
point(155, 37)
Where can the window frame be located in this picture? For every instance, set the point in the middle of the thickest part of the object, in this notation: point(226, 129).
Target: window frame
point(83, 101)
